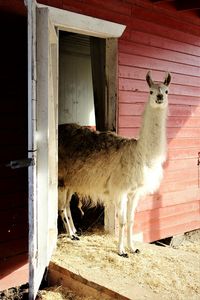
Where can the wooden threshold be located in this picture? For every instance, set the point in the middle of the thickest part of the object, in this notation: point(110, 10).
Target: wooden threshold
point(59, 276)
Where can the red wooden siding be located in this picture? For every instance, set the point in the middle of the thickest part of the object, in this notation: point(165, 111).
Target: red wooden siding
point(13, 145)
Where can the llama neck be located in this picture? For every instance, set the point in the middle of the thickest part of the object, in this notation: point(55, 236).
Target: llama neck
point(152, 139)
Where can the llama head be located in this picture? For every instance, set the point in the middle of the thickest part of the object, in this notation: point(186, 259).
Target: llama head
point(158, 97)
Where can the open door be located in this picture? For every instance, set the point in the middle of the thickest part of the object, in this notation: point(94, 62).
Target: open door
point(43, 123)
point(43, 103)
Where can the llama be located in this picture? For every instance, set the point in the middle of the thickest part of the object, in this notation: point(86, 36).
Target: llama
point(107, 167)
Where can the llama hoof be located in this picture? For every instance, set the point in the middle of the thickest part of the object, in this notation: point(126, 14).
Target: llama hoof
point(123, 255)
point(74, 238)
point(137, 251)
point(79, 232)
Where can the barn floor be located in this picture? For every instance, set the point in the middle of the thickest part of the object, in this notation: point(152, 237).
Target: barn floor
point(156, 273)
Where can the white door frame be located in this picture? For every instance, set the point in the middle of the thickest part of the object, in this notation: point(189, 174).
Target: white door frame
point(66, 21)
point(78, 23)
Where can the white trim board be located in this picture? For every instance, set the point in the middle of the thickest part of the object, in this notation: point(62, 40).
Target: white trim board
point(78, 23)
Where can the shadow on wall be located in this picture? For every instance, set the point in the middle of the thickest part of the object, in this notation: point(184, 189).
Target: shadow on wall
point(13, 146)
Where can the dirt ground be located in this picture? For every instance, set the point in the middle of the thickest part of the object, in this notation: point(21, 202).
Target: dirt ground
point(156, 273)
point(15, 293)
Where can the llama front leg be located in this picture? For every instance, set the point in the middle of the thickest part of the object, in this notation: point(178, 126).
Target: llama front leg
point(132, 204)
point(122, 210)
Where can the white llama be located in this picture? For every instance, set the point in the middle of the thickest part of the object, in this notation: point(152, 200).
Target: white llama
point(108, 167)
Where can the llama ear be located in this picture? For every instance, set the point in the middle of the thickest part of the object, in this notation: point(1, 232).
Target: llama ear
point(167, 79)
point(148, 79)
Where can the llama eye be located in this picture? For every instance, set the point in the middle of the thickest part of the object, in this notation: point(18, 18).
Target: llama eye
point(166, 92)
point(151, 92)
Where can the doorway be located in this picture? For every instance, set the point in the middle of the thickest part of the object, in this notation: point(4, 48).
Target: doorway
point(87, 81)
point(81, 100)
point(76, 98)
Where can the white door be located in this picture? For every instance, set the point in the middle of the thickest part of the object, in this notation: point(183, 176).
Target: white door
point(43, 175)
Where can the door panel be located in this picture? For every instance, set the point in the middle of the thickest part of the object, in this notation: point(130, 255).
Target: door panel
point(43, 219)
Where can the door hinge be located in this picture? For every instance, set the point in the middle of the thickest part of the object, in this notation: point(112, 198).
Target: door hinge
point(20, 163)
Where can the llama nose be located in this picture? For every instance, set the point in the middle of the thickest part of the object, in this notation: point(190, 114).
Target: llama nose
point(159, 97)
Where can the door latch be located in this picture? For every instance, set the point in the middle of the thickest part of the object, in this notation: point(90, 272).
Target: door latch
point(20, 163)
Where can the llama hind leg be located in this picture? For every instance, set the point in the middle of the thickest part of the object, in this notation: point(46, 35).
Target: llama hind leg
point(122, 210)
point(69, 215)
point(131, 207)
point(67, 225)
point(63, 204)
